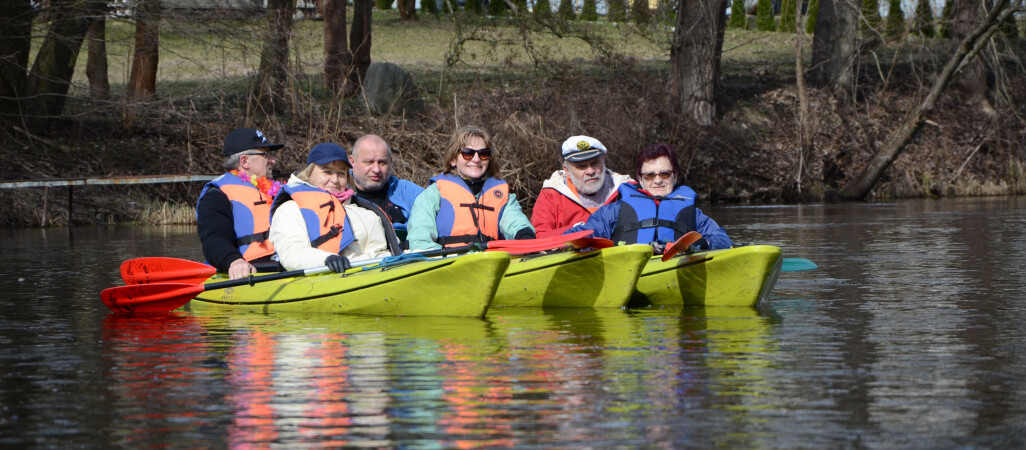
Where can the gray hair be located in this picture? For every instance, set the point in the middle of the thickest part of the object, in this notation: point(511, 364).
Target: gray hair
point(231, 162)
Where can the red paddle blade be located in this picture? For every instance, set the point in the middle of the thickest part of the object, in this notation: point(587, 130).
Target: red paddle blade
point(536, 245)
point(591, 242)
point(682, 244)
point(149, 298)
point(164, 270)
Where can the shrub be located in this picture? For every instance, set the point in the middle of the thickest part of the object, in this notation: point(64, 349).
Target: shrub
point(764, 16)
point(787, 16)
point(738, 15)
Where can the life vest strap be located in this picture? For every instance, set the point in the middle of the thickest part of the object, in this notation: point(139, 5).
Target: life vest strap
point(478, 206)
point(335, 230)
point(651, 223)
point(465, 239)
point(249, 239)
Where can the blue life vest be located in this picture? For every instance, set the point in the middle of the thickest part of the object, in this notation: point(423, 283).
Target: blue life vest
point(250, 213)
point(463, 218)
point(642, 220)
point(326, 223)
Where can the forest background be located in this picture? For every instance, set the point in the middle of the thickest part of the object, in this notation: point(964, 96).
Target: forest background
point(774, 103)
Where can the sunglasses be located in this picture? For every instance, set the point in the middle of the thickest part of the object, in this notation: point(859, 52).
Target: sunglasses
point(264, 154)
point(468, 153)
point(666, 174)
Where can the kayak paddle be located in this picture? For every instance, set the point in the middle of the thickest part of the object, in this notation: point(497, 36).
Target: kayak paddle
point(160, 269)
point(797, 265)
point(681, 244)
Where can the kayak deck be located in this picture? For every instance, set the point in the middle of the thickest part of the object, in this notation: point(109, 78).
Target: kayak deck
point(594, 279)
point(462, 286)
point(740, 276)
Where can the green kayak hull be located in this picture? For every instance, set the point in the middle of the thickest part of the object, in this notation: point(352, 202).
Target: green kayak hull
point(461, 286)
point(740, 276)
point(595, 279)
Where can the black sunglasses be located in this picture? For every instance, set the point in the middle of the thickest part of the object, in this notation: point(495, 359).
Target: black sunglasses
point(468, 153)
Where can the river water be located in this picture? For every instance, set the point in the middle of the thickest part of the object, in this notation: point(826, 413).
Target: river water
point(911, 333)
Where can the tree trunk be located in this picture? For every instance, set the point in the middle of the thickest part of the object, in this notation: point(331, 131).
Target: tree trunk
point(360, 40)
point(142, 81)
point(963, 56)
point(834, 47)
point(15, 40)
point(272, 76)
point(407, 9)
point(695, 58)
point(338, 60)
point(50, 78)
point(972, 82)
point(96, 63)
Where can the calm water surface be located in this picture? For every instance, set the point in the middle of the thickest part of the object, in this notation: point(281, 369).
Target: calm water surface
point(911, 334)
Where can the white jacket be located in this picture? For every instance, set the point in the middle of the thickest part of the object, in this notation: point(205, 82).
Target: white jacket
point(288, 234)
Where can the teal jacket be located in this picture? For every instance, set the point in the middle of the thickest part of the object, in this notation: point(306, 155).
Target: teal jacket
point(422, 231)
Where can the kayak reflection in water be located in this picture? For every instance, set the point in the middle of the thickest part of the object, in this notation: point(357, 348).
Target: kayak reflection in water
point(314, 221)
point(466, 203)
point(658, 211)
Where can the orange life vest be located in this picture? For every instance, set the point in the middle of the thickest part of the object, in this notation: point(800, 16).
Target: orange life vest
point(251, 212)
point(463, 218)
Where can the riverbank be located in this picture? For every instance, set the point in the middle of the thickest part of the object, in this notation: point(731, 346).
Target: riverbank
point(750, 156)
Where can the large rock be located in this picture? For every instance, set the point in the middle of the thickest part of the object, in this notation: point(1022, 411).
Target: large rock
point(390, 90)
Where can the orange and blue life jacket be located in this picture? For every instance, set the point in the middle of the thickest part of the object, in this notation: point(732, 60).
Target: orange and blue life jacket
point(646, 218)
point(326, 223)
point(251, 212)
point(463, 218)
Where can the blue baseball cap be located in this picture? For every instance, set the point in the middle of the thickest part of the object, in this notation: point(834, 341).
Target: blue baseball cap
point(327, 152)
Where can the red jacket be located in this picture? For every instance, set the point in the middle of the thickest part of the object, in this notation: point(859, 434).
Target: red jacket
point(559, 207)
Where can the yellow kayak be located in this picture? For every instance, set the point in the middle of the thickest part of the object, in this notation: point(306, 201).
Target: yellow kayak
point(460, 286)
point(595, 279)
point(740, 276)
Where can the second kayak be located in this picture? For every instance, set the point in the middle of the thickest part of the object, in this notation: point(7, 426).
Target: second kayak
point(594, 279)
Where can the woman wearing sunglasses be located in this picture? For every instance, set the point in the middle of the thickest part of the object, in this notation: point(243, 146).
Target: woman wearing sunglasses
point(657, 212)
point(315, 221)
point(466, 203)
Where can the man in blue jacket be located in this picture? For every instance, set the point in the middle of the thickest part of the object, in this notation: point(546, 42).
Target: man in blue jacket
point(372, 173)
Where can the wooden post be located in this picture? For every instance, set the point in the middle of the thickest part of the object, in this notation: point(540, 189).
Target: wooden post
point(46, 193)
point(71, 197)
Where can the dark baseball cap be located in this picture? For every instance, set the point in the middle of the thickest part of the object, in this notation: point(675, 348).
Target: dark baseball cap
point(242, 139)
point(326, 153)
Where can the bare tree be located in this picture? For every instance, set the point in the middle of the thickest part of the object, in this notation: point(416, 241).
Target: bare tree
point(972, 82)
point(272, 76)
point(142, 81)
point(360, 40)
point(96, 63)
point(834, 47)
point(338, 60)
point(15, 40)
point(50, 77)
point(695, 58)
point(963, 56)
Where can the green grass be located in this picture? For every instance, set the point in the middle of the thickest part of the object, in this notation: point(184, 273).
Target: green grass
point(216, 55)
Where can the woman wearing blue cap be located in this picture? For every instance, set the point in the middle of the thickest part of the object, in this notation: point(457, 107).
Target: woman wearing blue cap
point(467, 203)
point(314, 221)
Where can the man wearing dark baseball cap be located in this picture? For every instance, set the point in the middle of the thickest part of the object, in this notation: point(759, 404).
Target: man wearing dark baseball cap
point(233, 212)
point(570, 195)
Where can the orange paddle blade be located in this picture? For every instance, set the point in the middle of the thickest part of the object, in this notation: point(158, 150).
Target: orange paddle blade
point(591, 242)
point(149, 298)
point(681, 244)
point(164, 270)
point(536, 245)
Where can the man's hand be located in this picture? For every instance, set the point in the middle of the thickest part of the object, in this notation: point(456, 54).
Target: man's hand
point(240, 268)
